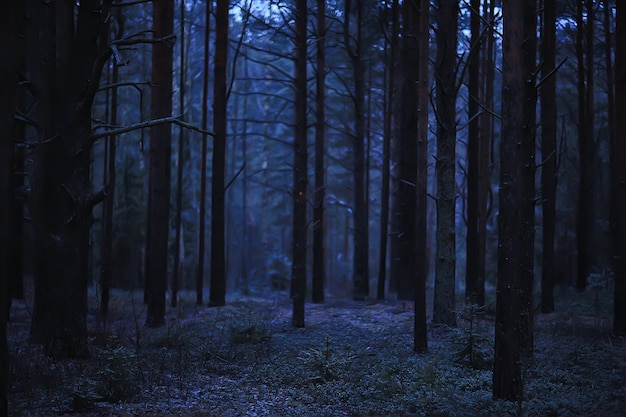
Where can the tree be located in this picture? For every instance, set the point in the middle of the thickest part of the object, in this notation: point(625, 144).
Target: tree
point(548, 152)
point(217, 295)
point(476, 200)
point(320, 133)
point(619, 166)
point(514, 306)
point(203, 158)
point(384, 189)
point(420, 328)
point(445, 74)
point(8, 84)
point(298, 264)
point(407, 141)
point(360, 269)
point(68, 45)
point(160, 163)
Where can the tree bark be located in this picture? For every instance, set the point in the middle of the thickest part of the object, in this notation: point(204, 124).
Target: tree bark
point(160, 165)
point(203, 163)
point(217, 295)
point(320, 133)
point(8, 84)
point(420, 328)
point(445, 73)
point(68, 47)
point(298, 265)
point(548, 153)
point(619, 185)
point(514, 306)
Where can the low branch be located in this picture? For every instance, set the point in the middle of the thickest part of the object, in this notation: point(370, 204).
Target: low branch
point(147, 124)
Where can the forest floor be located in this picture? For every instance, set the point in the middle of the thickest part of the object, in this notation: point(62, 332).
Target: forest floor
point(351, 359)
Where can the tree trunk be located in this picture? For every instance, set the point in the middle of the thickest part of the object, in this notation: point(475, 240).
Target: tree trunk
point(445, 73)
point(217, 295)
point(8, 84)
point(548, 153)
point(420, 328)
point(360, 274)
point(160, 165)
point(176, 273)
point(68, 46)
point(298, 265)
point(407, 138)
point(619, 185)
point(388, 118)
point(474, 276)
point(203, 163)
point(320, 132)
point(514, 307)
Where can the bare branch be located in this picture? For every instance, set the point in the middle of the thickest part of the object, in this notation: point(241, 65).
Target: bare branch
point(150, 123)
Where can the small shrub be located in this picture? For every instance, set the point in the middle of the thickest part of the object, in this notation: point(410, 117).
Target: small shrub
point(119, 378)
point(324, 363)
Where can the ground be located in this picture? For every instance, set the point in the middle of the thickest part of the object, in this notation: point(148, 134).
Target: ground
point(351, 359)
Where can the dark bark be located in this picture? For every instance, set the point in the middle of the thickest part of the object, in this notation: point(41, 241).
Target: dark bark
point(320, 133)
point(217, 295)
point(420, 328)
point(407, 138)
point(176, 273)
point(475, 272)
point(298, 265)
point(548, 153)
point(514, 306)
point(360, 273)
point(445, 73)
point(203, 163)
point(160, 165)
point(388, 118)
point(68, 46)
point(106, 270)
point(619, 165)
point(8, 83)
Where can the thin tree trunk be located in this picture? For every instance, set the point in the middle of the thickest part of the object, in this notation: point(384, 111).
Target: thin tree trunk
point(106, 271)
point(203, 163)
point(420, 328)
point(548, 153)
point(320, 133)
point(474, 277)
point(298, 265)
point(388, 118)
point(445, 71)
point(619, 150)
point(179, 168)
point(514, 306)
point(160, 165)
point(217, 295)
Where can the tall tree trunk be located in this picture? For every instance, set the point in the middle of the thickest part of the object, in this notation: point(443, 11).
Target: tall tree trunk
point(320, 133)
point(619, 164)
point(548, 153)
point(474, 276)
point(584, 227)
point(8, 84)
point(407, 138)
point(68, 47)
point(445, 73)
point(300, 177)
point(217, 295)
point(388, 119)
point(420, 329)
point(160, 164)
point(514, 306)
point(176, 273)
point(106, 270)
point(203, 163)
point(360, 273)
